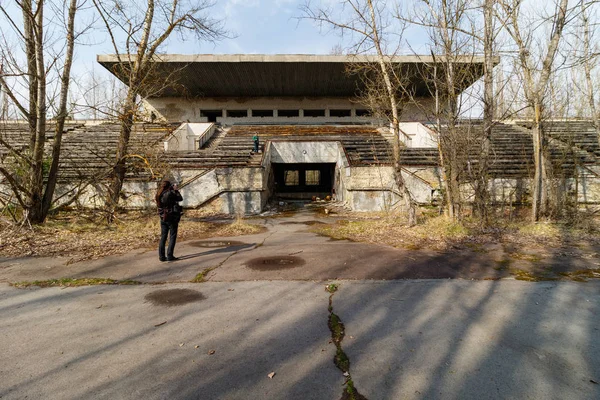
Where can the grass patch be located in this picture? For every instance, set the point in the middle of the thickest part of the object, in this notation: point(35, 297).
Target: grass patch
point(582, 275)
point(238, 227)
point(532, 258)
point(201, 277)
point(436, 232)
point(331, 288)
point(73, 282)
point(528, 276)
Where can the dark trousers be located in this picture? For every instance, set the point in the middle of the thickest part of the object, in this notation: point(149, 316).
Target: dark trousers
point(167, 228)
point(256, 146)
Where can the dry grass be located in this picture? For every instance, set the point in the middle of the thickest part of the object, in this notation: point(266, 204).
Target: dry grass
point(437, 233)
point(74, 282)
point(440, 233)
point(83, 237)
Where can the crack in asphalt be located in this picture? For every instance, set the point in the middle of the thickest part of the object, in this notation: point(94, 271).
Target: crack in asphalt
point(341, 360)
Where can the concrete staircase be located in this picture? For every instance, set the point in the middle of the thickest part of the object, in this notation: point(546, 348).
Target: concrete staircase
point(570, 144)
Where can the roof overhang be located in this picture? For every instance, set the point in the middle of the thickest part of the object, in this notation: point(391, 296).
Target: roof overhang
point(282, 75)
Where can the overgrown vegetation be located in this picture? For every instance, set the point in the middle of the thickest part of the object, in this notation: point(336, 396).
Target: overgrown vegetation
point(82, 236)
point(438, 232)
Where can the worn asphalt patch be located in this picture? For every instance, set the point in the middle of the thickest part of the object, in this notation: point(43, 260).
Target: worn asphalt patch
point(275, 263)
point(174, 297)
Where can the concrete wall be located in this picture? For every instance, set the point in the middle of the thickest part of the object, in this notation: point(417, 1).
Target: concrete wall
point(189, 136)
point(418, 135)
point(180, 109)
point(304, 152)
point(247, 190)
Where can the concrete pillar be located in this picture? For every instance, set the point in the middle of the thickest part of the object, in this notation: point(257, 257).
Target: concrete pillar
point(275, 113)
point(301, 113)
point(249, 112)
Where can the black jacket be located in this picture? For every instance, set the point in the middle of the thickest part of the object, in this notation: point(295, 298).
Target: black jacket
point(169, 210)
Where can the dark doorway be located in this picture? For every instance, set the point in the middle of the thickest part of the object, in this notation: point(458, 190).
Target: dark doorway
point(302, 181)
point(211, 115)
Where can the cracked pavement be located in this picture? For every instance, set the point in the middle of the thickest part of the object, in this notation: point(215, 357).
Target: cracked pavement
point(405, 339)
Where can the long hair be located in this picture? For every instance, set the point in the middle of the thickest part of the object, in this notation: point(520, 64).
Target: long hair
point(164, 185)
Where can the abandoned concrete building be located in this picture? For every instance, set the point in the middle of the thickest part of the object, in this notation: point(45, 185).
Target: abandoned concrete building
point(315, 139)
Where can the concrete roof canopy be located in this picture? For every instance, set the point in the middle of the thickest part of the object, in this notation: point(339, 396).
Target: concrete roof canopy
point(280, 75)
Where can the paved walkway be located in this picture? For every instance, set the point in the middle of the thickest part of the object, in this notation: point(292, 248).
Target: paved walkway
point(415, 339)
point(288, 250)
point(264, 309)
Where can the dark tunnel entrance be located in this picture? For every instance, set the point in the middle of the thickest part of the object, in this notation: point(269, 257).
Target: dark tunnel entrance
point(303, 181)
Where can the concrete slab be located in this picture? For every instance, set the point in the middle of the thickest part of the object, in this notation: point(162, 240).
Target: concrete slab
point(104, 343)
point(472, 340)
point(418, 339)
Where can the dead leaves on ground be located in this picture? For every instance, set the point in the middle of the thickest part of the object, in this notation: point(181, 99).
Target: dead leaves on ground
point(80, 237)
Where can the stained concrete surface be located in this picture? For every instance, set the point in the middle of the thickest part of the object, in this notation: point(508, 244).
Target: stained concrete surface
point(414, 339)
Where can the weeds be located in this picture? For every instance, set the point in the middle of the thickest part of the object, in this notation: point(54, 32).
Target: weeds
point(201, 277)
point(440, 233)
point(83, 237)
point(73, 282)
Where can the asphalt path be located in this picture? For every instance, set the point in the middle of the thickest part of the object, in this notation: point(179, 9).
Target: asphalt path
point(412, 339)
point(263, 309)
point(288, 249)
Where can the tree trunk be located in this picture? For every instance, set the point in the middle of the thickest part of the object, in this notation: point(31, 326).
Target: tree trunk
point(37, 170)
point(120, 167)
point(538, 159)
point(406, 195)
point(587, 66)
point(62, 113)
point(481, 185)
point(28, 22)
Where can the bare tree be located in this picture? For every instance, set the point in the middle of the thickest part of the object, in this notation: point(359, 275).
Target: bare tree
point(588, 59)
point(365, 20)
point(145, 27)
point(43, 57)
point(452, 36)
point(536, 70)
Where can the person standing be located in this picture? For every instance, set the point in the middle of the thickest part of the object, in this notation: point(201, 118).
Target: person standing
point(255, 140)
point(167, 199)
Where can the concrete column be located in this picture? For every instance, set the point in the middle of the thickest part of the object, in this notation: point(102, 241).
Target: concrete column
point(353, 112)
point(249, 112)
point(224, 113)
point(275, 113)
point(301, 113)
point(327, 113)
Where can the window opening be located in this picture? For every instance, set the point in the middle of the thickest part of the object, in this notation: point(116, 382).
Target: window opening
point(362, 113)
point(292, 177)
point(288, 113)
point(340, 113)
point(237, 113)
point(313, 177)
point(262, 113)
point(314, 113)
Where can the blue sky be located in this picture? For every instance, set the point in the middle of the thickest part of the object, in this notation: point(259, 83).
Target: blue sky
point(257, 26)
